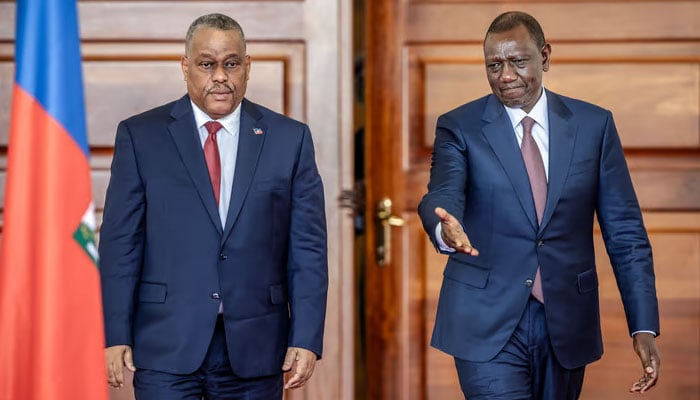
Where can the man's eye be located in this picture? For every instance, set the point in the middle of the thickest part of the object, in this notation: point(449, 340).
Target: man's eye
point(205, 65)
point(494, 67)
point(232, 64)
point(520, 62)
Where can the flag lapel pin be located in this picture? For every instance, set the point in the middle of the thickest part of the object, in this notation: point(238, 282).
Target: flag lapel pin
point(258, 131)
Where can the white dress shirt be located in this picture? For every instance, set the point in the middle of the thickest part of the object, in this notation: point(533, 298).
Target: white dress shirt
point(227, 139)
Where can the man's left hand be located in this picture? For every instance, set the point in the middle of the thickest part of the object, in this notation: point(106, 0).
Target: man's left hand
point(300, 363)
point(645, 346)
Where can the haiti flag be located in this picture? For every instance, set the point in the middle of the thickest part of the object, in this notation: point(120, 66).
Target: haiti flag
point(51, 330)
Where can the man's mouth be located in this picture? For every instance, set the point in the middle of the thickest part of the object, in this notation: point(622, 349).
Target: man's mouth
point(220, 94)
point(509, 88)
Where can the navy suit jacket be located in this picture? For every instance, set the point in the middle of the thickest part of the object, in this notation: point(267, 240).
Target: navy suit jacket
point(166, 262)
point(479, 176)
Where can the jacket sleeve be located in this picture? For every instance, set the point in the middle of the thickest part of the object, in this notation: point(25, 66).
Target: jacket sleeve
point(448, 172)
point(307, 260)
point(625, 237)
point(121, 244)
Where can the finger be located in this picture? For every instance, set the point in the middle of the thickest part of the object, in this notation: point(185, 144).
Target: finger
point(289, 359)
point(465, 248)
point(441, 213)
point(637, 386)
point(118, 374)
point(646, 382)
point(300, 377)
point(651, 371)
point(293, 382)
point(648, 385)
point(642, 384)
point(303, 369)
point(651, 376)
point(296, 376)
point(129, 359)
point(655, 364)
point(111, 379)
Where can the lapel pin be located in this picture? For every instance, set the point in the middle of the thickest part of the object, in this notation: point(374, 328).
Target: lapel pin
point(258, 131)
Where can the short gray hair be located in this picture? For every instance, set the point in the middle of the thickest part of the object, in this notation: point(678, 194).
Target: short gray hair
point(217, 21)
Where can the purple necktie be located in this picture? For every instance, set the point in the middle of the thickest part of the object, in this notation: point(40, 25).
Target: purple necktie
point(211, 156)
point(538, 184)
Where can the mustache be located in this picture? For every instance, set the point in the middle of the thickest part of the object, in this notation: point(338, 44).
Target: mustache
point(221, 89)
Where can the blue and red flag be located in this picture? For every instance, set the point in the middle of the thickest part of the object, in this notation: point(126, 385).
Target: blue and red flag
point(51, 329)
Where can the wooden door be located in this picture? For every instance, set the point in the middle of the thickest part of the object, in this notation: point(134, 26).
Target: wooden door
point(301, 66)
point(637, 58)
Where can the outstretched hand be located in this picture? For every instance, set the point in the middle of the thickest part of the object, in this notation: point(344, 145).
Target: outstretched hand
point(645, 346)
point(453, 234)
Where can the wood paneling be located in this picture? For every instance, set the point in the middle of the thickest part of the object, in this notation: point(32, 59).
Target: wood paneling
point(669, 76)
point(116, 76)
point(159, 20)
point(668, 189)
point(467, 21)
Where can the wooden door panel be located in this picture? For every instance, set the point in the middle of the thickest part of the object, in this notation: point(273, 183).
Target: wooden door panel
point(433, 21)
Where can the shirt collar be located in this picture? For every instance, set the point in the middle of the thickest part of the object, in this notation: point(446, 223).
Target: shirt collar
point(231, 122)
point(538, 112)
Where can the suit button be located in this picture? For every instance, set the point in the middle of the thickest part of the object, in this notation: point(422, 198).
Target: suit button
point(528, 283)
point(222, 256)
point(215, 296)
point(540, 243)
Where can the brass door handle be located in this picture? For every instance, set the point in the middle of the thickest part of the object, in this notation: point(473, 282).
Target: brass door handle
point(385, 222)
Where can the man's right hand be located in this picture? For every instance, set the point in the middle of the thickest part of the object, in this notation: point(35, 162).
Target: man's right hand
point(117, 357)
point(452, 233)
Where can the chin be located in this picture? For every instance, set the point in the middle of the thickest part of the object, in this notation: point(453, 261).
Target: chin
point(512, 103)
point(222, 111)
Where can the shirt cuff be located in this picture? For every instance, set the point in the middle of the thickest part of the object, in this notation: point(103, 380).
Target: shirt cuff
point(441, 243)
point(636, 332)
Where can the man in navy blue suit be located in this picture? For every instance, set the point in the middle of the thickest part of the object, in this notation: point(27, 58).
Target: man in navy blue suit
point(516, 180)
point(213, 244)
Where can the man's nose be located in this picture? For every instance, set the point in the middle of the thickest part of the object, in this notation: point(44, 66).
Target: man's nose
point(508, 73)
point(219, 74)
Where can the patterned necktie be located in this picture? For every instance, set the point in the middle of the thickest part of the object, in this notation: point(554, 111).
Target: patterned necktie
point(538, 184)
point(211, 155)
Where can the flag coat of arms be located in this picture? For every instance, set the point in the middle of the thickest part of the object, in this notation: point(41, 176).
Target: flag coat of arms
point(51, 327)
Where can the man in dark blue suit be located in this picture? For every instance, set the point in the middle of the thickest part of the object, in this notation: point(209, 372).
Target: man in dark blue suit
point(213, 244)
point(523, 172)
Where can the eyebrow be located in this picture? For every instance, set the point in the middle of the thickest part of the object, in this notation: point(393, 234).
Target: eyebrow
point(228, 56)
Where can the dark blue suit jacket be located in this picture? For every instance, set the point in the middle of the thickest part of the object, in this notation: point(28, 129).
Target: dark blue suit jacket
point(478, 176)
point(166, 262)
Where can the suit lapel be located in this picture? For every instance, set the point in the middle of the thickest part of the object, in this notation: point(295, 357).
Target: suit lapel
point(251, 137)
point(562, 135)
point(501, 137)
point(184, 134)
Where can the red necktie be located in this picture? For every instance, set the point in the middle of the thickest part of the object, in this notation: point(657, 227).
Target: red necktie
point(211, 155)
point(538, 184)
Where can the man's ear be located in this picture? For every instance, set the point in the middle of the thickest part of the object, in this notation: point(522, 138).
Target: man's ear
point(546, 56)
point(185, 65)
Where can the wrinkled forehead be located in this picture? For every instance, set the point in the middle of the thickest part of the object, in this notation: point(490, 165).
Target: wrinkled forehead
point(509, 41)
